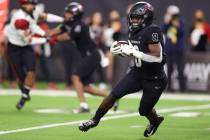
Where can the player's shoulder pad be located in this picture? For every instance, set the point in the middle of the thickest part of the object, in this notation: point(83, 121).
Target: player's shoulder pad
point(153, 28)
point(153, 34)
point(19, 14)
point(21, 24)
point(78, 27)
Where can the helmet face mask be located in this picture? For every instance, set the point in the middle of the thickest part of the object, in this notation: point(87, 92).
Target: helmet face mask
point(136, 21)
point(140, 15)
point(68, 16)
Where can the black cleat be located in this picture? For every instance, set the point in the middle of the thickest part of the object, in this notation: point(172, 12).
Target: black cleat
point(152, 127)
point(23, 100)
point(85, 126)
point(21, 103)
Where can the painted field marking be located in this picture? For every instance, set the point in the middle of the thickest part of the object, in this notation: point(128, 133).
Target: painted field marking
point(70, 93)
point(168, 110)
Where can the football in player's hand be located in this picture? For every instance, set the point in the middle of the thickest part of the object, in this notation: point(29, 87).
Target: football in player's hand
point(121, 44)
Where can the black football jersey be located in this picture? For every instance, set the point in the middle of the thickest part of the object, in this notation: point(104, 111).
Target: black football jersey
point(141, 40)
point(79, 33)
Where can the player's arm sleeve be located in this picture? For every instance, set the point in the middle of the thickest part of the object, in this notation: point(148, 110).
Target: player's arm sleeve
point(52, 32)
point(148, 57)
point(37, 30)
point(62, 27)
point(21, 24)
point(51, 18)
point(62, 37)
point(37, 40)
point(22, 27)
point(153, 38)
point(65, 34)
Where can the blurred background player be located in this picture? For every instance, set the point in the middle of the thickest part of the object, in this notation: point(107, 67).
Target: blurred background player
point(75, 29)
point(44, 51)
point(112, 32)
point(96, 33)
point(174, 30)
point(21, 36)
point(146, 46)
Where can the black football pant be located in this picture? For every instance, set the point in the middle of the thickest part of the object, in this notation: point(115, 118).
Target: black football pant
point(87, 66)
point(152, 87)
point(21, 60)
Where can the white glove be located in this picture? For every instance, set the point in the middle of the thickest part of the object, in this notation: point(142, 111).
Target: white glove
point(116, 50)
point(128, 49)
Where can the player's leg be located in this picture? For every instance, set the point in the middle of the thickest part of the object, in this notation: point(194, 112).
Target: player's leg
point(152, 90)
point(82, 72)
point(15, 62)
point(129, 84)
point(13, 57)
point(79, 87)
point(95, 91)
point(28, 60)
point(25, 89)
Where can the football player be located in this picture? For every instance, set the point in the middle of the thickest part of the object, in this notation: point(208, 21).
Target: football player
point(22, 33)
point(146, 46)
point(75, 29)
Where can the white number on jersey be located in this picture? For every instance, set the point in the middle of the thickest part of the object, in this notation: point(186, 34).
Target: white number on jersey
point(137, 60)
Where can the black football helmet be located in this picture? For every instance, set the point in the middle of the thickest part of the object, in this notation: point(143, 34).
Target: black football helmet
point(76, 9)
point(140, 15)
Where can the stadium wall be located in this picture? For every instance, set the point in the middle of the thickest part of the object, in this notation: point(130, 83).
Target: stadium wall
point(196, 71)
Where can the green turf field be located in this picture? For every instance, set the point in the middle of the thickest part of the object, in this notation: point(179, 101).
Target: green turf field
point(124, 126)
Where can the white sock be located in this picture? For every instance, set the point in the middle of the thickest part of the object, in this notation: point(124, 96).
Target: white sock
point(84, 105)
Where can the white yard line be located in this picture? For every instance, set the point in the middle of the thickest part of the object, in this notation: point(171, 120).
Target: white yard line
point(70, 93)
point(167, 110)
